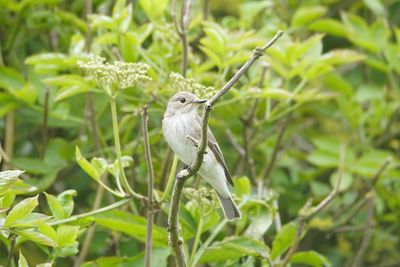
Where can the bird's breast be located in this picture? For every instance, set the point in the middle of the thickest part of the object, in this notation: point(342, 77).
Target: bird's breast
point(176, 129)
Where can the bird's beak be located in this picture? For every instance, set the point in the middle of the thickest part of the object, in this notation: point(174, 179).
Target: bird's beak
point(199, 101)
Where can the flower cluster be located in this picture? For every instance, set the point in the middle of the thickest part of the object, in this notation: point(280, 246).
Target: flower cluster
point(118, 75)
point(204, 198)
point(179, 83)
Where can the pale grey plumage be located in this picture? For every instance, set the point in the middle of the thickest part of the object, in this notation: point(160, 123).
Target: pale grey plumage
point(180, 121)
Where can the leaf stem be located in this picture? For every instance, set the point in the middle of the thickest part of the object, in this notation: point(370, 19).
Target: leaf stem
point(196, 240)
point(171, 179)
point(93, 212)
point(122, 181)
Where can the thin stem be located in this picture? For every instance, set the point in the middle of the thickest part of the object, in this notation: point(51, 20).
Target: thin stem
point(122, 180)
point(183, 175)
point(196, 241)
point(150, 187)
point(91, 213)
point(171, 179)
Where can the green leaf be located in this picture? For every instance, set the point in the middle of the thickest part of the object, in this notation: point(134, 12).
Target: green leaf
point(376, 6)
point(66, 200)
point(159, 259)
point(277, 94)
point(67, 235)
point(283, 239)
point(132, 225)
point(242, 186)
point(22, 261)
point(234, 248)
point(35, 236)
point(311, 258)
point(330, 26)
point(55, 207)
point(154, 8)
point(345, 183)
point(10, 79)
point(20, 210)
point(259, 224)
point(48, 231)
point(8, 179)
point(305, 15)
point(86, 166)
point(32, 165)
point(31, 219)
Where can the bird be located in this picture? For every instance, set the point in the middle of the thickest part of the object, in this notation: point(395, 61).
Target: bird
point(181, 126)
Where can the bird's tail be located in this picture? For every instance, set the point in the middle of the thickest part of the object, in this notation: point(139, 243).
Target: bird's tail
point(229, 207)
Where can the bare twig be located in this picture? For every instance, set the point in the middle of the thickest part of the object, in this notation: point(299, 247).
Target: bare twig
point(233, 141)
point(150, 187)
point(182, 29)
point(307, 212)
point(11, 252)
point(173, 223)
point(378, 174)
point(266, 175)
point(358, 260)
point(248, 131)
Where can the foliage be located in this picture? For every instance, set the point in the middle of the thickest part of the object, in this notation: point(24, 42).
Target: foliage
point(71, 89)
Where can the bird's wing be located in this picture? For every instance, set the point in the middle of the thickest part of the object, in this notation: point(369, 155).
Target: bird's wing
point(213, 145)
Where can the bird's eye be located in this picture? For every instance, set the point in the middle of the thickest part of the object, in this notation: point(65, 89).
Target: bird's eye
point(182, 99)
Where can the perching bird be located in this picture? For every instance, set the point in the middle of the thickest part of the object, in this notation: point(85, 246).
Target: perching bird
point(182, 129)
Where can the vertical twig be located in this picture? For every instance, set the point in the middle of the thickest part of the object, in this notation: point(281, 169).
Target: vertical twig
point(173, 223)
point(206, 9)
point(182, 29)
point(150, 186)
point(307, 212)
point(358, 260)
point(45, 122)
point(267, 172)
point(248, 121)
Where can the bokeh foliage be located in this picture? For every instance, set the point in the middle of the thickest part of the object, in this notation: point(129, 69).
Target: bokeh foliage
point(335, 71)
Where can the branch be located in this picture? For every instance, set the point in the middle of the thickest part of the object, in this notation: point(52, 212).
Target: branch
point(367, 234)
point(150, 187)
point(181, 27)
point(274, 156)
point(173, 223)
point(307, 212)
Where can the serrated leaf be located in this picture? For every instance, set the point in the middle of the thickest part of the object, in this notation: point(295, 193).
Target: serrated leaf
point(20, 210)
point(31, 219)
point(283, 239)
